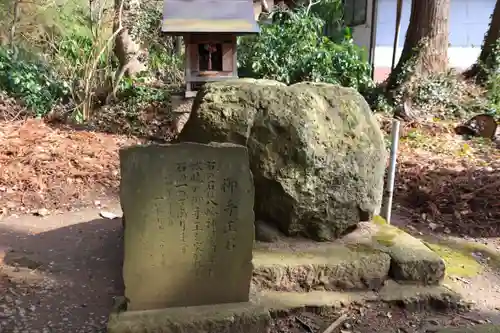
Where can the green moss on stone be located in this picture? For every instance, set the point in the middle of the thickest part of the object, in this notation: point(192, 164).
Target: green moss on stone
point(362, 248)
point(492, 256)
point(379, 220)
point(459, 262)
point(386, 235)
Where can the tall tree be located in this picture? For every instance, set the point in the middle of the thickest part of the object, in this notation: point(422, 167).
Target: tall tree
point(487, 61)
point(425, 49)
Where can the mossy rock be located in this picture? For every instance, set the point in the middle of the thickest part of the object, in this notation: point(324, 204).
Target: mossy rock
point(411, 260)
point(379, 220)
point(316, 151)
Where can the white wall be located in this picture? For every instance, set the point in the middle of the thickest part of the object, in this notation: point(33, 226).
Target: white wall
point(469, 20)
point(361, 33)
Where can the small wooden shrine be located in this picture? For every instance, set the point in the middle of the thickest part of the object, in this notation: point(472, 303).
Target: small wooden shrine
point(209, 29)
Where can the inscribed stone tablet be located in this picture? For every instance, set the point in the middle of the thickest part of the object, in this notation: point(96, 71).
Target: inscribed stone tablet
point(190, 224)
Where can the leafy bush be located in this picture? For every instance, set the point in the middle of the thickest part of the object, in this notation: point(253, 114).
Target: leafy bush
point(77, 49)
point(30, 81)
point(293, 49)
point(332, 13)
point(68, 55)
point(73, 56)
point(136, 92)
point(445, 96)
point(377, 99)
point(163, 62)
point(493, 94)
point(165, 65)
point(490, 72)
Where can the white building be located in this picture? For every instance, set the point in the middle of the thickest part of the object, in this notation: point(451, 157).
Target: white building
point(469, 20)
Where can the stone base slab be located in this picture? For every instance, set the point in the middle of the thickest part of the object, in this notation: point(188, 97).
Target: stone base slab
point(256, 316)
point(228, 318)
point(362, 260)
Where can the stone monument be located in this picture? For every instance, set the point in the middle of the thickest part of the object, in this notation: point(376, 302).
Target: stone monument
point(190, 224)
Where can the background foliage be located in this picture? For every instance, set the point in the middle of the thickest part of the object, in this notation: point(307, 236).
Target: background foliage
point(293, 48)
point(49, 62)
point(30, 80)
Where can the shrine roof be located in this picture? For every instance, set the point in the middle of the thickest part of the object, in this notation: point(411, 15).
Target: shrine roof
point(198, 16)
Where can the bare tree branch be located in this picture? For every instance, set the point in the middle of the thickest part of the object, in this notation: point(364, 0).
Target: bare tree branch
point(15, 18)
point(311, 4)
point(96, 61)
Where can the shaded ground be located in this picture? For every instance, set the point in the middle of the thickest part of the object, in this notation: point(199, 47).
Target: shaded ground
point(64, 271)
point(473, 266)
point(62, 274)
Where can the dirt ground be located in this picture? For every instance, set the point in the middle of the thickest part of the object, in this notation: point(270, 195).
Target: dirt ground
point(447, 183)
point(63, 272)
point(376, 318)
point(65, 269)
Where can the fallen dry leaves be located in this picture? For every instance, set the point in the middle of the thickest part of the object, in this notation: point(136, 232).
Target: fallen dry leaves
point(10, 109)
point(451, 184)
point(43, 166)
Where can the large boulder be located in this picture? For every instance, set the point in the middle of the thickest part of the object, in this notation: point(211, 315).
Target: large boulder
point(316, 152)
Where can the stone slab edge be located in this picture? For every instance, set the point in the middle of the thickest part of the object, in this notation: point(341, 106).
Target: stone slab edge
point(255, 316)
point(230, 318)
point(411, 260)
point(409, 297)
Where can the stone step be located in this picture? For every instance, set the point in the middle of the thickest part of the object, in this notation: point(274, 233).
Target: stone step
point(322, 267)
point(256, 316)
point(362, 260)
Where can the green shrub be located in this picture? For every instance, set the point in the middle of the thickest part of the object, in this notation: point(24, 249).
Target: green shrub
point(136, 92)
point(493, 94)
point(30, 80)
point(293, 49)
point(163, 63)
point(76, 50)
point(491, 73)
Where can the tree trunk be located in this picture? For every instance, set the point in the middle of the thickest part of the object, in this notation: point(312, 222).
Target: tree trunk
point(425, 49)
point(127, 49)
point(486, 61)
